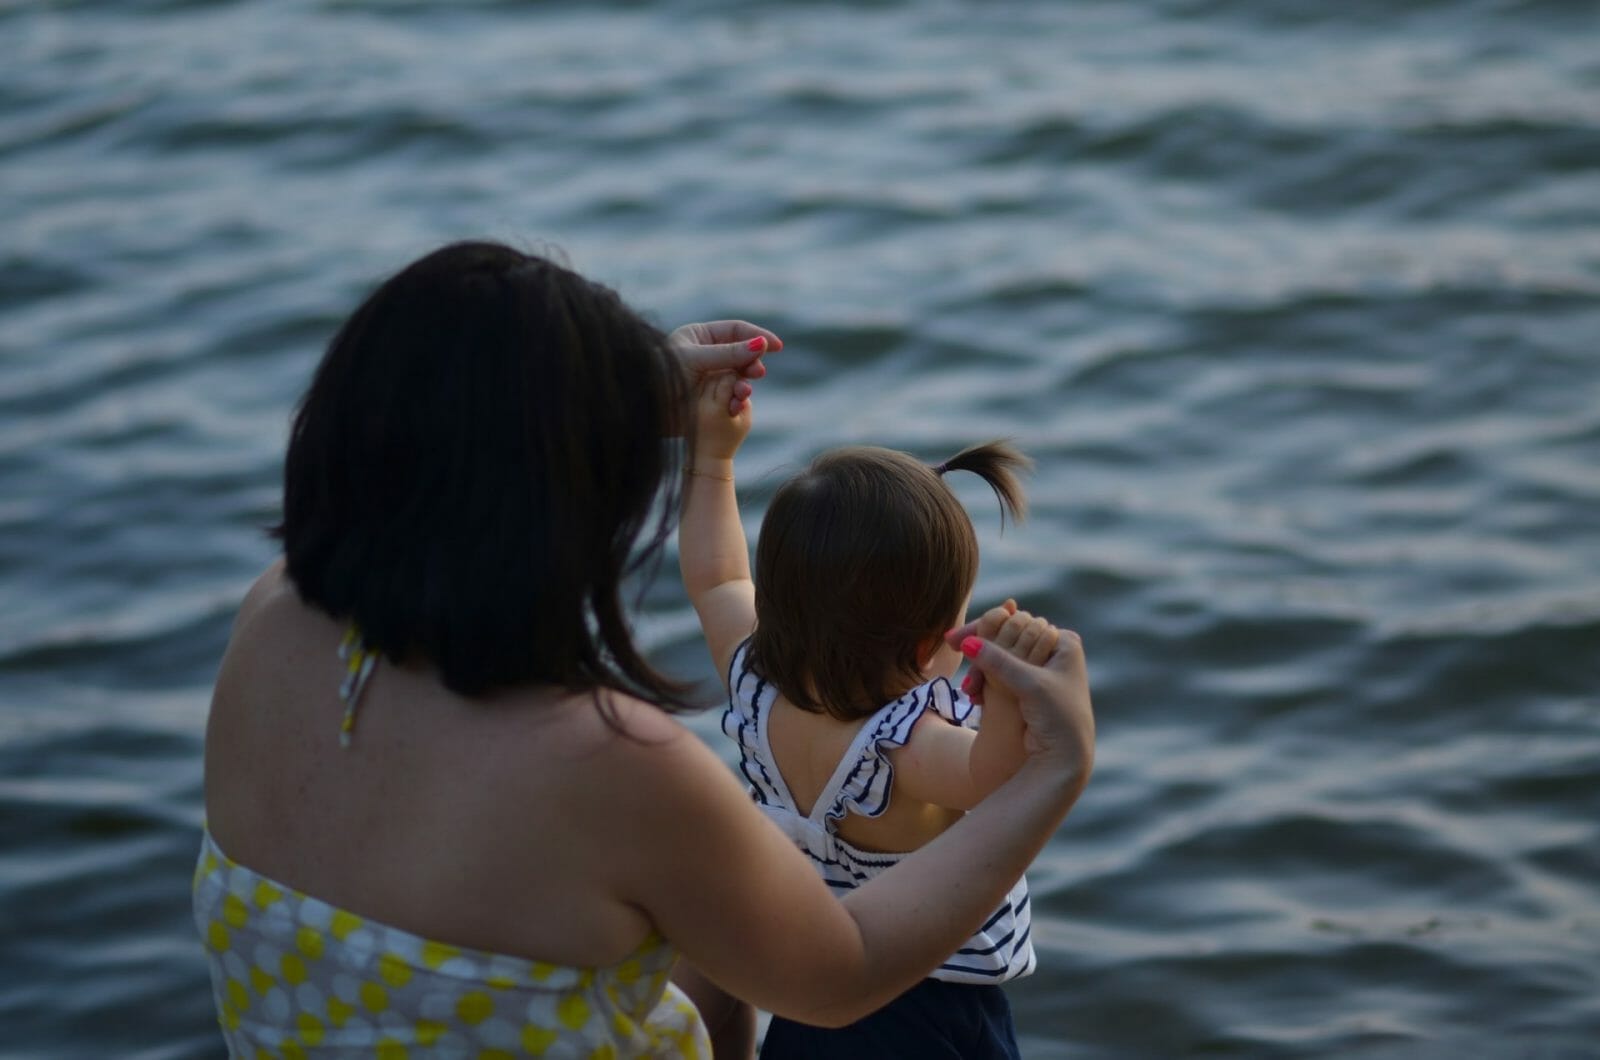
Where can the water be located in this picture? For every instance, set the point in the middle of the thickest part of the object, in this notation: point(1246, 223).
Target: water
point(1296, 305)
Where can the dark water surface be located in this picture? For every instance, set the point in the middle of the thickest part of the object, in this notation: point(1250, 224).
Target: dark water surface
point(1296, 304)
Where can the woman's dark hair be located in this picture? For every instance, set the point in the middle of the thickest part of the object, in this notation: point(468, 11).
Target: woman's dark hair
point(472, 466)
point(862, 557)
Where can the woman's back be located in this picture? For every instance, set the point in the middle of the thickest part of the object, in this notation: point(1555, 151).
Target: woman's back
point(467, 822)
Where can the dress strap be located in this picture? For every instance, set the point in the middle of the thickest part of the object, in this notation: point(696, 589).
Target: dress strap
point(858, 758)
point(861, 781)
point(358, 668)
point(750, 700)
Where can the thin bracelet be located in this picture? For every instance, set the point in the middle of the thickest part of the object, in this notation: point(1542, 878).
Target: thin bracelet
point(703, 474)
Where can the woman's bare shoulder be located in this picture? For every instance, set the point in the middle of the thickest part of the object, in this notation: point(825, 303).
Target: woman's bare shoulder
point(274, 642)
point(663, 761)
point(616, 734)
point(270, 601)
point(640, 720)
point(271, 589)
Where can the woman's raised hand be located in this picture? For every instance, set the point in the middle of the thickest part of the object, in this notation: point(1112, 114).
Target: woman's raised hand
point(726, 346)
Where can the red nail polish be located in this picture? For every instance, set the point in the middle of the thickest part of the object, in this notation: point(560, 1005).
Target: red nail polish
point(966, 683)
point(756, 344)
point(971, 646)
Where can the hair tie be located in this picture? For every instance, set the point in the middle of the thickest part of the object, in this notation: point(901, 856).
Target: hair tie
point(941, 468)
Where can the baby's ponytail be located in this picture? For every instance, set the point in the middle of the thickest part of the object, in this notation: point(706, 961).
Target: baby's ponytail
point(998, 464)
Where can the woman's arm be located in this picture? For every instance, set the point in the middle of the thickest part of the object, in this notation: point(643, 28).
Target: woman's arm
point(712, 553)
point(747, 909)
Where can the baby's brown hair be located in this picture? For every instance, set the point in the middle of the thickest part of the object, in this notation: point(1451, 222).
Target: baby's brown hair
point(862, 557)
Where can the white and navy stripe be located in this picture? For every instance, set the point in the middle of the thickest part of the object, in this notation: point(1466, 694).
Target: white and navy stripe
point(1000, 950)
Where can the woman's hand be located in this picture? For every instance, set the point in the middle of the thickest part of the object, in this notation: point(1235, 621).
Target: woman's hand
point(1053, 697)
point(726, 346)
point(1029, 637)
point(987, 625)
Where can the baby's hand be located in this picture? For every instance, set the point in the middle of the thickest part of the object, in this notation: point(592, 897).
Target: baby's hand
point(1030, 638)
point(722, 415)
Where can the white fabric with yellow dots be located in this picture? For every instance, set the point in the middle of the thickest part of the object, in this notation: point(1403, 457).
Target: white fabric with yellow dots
point(296, 977)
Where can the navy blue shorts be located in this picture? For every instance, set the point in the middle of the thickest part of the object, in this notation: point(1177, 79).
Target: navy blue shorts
point(934, 1020)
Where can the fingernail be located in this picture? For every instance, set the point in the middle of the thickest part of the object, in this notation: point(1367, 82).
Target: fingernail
point(756, 344)
point(966, 683)
point(971, 646)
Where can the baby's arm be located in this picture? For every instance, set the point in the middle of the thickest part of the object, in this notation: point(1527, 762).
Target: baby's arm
point(953, 767)
point(712, 553)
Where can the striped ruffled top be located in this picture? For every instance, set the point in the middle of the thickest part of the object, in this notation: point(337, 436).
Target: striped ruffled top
point(1000, 950)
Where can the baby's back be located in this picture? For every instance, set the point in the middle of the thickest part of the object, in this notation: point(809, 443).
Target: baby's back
point(835, 789)
point(808, 747)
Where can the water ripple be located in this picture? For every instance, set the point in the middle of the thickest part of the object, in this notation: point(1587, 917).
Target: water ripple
point(1294, 305)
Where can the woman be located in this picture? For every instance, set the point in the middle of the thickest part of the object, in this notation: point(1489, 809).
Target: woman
point(446, 805)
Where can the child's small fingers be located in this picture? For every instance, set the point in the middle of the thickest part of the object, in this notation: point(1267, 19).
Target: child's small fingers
point(1023, 643)
point(990, 623)
point(1028, 640)
point(711, 391)
point(1045, 646)
point(1015, 624)
point(1027, 632)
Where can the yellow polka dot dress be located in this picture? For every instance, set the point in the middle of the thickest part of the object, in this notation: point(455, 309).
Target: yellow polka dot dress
point(296, 977)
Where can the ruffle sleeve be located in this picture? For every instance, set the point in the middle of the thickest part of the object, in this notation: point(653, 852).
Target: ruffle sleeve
point(865, 788)
point(750, 697)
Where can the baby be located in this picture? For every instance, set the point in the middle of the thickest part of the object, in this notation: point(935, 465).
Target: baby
point(850, 734)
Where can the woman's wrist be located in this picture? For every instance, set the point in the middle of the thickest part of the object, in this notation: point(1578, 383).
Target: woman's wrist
point(1065, 775)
